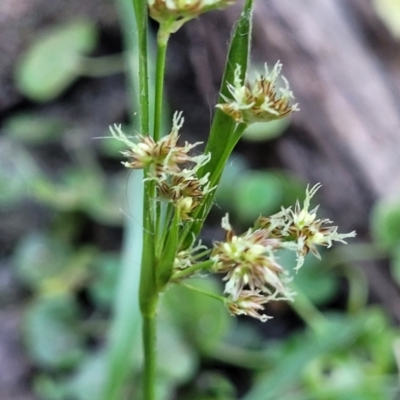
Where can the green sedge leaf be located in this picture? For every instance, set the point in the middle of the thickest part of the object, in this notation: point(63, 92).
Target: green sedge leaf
point(164, 268)
point(224, 132)
point(223, 126)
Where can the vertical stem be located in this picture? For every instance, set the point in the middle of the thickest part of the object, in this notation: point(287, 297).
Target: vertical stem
point(149, 347)
point(141, 20)
point(158, 108)
point(148, 295)
point(160, 70)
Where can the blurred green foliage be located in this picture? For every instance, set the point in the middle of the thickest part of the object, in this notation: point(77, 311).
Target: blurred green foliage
point(53, 61)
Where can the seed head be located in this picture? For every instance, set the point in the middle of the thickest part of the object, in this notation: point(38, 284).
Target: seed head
point(163, 157)
point(258, 101)
point(248, 260)
point(302, 227)
point(248, 303)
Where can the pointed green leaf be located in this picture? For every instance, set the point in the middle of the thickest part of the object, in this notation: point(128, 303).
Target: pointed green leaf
point(223, 126)
point(164, 268)
point(225, 132)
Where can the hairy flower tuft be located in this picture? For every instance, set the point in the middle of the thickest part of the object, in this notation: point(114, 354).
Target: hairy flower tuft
point(248, 260)
point(302, 226)
point(161, 158)
point(187, 258)
point(258, 101)
point(249, 303)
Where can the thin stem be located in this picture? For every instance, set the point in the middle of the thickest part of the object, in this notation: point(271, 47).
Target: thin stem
point(212, 295)
point(358, 289)
point(142, 22)
point(191, 270)
point(159, 90)
point(150, 360)
point(306, 310)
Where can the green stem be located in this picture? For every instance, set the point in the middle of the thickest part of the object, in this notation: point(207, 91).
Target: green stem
point(150, 360)
point(212, 295)
point(142, 22)
point(148, 298)
point(159, 91)
point(148, 294)
point(307, 311)
point(191, 270)
point(358, 289)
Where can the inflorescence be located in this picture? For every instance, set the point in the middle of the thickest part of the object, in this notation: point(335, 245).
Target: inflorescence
point(260, 100)
point(170, 166)
point(253, 275)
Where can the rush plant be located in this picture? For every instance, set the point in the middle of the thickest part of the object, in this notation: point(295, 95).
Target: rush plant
point(179, 184)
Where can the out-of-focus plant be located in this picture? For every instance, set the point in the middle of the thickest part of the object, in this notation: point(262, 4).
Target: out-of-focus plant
point(57, 58)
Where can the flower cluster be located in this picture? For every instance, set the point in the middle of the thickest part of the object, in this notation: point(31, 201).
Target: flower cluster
point(302, 228)
point(258, 101)
point(248, 261)
point(187, 258)
point(171, 166)
point(174, 13)
point(253, 275)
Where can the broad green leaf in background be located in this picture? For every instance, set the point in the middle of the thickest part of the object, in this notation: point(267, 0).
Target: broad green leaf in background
point(48, 388)
point(385, 224)
point(31, 128)
point(256, 193)
point(17, 169)
point(204, 320)
point(234, 169)
point(315, 281)
point(53, 60)
point(51, 332)
point(263, 131)
point(378, 341)
point(344, 378)
point(39, 257)
point(211, 386)
point(48, 265)
point(84, 190)
point(177, 359)
point(86, 382)
point(251, 193)
point(104, 284)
